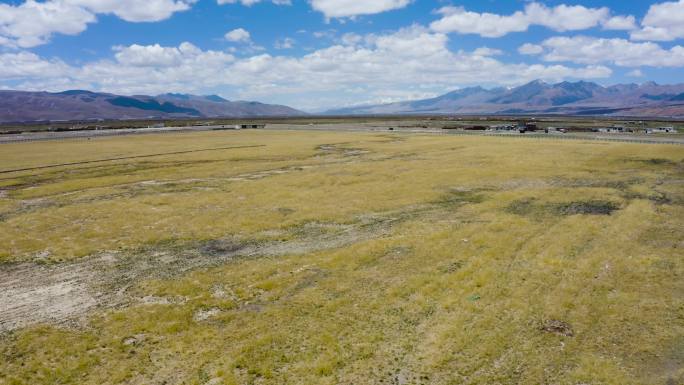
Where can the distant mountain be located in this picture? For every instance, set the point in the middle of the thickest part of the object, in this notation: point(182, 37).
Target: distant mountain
point(20, 106)
point(453, 100)
point(538, 97)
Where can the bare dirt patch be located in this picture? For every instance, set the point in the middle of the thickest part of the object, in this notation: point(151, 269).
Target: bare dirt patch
point(205, 314)
point(557, 327)
point(33, 293)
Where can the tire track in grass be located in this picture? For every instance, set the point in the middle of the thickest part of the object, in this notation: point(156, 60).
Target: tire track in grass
point(126, 158)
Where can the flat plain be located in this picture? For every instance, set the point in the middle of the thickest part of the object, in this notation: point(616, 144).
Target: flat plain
point(317, 257)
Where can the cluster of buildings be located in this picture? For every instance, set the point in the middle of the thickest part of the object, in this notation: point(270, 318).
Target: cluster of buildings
point(240, 126)
point(661, 130)
point(523, 127)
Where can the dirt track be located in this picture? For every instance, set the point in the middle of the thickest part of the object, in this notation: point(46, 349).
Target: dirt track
point(126, 158)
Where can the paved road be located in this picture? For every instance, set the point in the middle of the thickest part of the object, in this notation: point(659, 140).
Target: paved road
point(398, 127)
point(40, 136)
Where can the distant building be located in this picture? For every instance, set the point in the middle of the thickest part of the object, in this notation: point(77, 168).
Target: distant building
point(502, 127)
point(524, 127)
point(572, 129)
point(661, 130)
point(243, 126)
point(616, 129)
point(240, 126)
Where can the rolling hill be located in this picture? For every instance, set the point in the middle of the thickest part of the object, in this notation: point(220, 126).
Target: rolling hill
point(21, 106)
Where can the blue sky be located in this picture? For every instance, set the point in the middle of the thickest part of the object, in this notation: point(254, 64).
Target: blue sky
point(314, 54)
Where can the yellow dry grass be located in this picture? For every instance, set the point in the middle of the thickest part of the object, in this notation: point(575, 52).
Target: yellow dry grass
point(500, 267)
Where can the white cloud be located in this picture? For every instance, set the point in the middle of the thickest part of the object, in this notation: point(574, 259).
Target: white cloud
point(351, 38)
point(327, 34)
point(457, 19)
point(486, 51)
point(351, 8)
point(560, 18)
point(238, 35)
point(565, 17)
point(23, 65)
point(410, 61)
point(663, 22)
point(249, 3)
point(620, 23)
point(136, 10)
point(144, 69)
point(158, 56)
point(621, 52)
point(530, 49)
point(635, 73)
point(285, 43)
point(33, 23)
point(414, 42)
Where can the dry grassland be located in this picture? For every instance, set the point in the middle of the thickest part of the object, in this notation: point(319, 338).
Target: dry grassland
point(341, 258)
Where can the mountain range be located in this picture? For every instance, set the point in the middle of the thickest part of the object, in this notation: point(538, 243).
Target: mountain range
point(534, 98)
point(21, 106)
point(537, 97)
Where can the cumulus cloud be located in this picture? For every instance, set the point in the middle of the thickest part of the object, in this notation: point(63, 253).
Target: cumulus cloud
point(32, 23)
point(161, 57)
point(663, 22)
point(27, 65)
point(559, 18)
point(350, 8)
point(457, 19)
point(135, 10)
point(621, 52)
point(238, 35)
point(410, 61)
point(565, 17)
point(144, 69)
